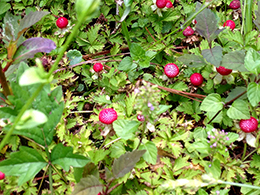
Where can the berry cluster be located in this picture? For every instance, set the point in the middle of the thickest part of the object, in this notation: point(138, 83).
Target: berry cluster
point(164, 3)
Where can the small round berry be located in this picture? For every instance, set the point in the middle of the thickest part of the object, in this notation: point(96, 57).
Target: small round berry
point(235, 4)
point(196, 79)
point(62, 22)
point(169, 4)
point(188, 31)
point(171, 70)
point(194, 21)
point(140, 117)
point(2, 175)
point(248, 125)
point(107, 115)
point(230, 23)
point(161, 3)
point(98, 67)
point(223, 71)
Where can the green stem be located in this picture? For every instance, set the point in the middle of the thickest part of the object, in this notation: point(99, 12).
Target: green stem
point(59, 174)
point(142, 133)
point(239, 184)
point(126, 33)
point(244, 152)
point(50, 180)
point(248, 16)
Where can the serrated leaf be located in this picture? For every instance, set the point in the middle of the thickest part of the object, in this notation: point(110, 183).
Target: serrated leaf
point(64, 157)
point(125, 128)
point(212, 103)
point(74, 56)
point(256, 161)
point(136, 51)
point(129, 102)
point(192, 60)
point(252, 61)
point(126, 163)
point(253, 93)
point(239, 110)
point(32, 46)
point(214, 55)
point(98, 155)
point(26, 164)
point(234, 60)
point(89, 185)
point(151, 152)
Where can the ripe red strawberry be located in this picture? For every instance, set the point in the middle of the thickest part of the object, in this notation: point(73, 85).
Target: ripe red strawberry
point(248, 125)
point(140, 117)
point(171, 70)
point(2, 175)
point(230, 23)
point(196, 79)
point(161, 3)
point(107, 116)
point(188, 31)
point(235, 4)
point(98, 67)
point(169, 4)
point(223, 71)
point(62, 22)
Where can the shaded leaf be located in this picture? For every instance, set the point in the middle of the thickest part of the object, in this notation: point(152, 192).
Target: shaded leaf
point(127, 64)
point(236, 92)
point(136, 51)
point(151, 152)
point(234, 60)
point(64, 157)
point(253, 93)
point(32, 46)
point(125, 128)
point(89, 185)
point(33, 75)
point(74, 56)
point(126, 162)
point(214, 55)
point(252, 61)
point(192, 60)
point(239, 110)
point(212, 103)
point(26, 164)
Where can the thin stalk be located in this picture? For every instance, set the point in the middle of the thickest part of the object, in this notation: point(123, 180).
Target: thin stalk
point(43, 178)
point(243, 8)
point(248, 16)
point(57, 171)
point(50, 180)
point(244, 152)
point(4, 84)
point(126, 33)
point(142, 133)
point(239, 184)
point(243, 159)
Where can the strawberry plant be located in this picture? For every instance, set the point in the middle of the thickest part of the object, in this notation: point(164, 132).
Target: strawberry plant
point(62, 22)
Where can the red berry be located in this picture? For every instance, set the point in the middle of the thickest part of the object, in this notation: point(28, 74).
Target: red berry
point(248, 125)
point(169, 4)
point(2, 175)
point(98, 67)
point(62, 22)
point(171, 70)
point(188, 31)
point(230, 23)
point(107, 116)
point(196, 79)
point(140, 117)
point(194, 21)
point(161, 3)
point(235, 4)
point(223, 71)
point(99, 193)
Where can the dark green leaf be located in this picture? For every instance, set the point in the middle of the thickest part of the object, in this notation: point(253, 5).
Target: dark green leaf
point(64, 157)
point(126, 163)
point(212, 103)
point(127, 64)
point(4, 7)
point(125, 128)
point(239, 110)
point(235, 93)
point(234, 60)
point(144, 62)
point(26, 164)
point(192, 60)
point(214, 55)
point(253, 93)
point(74, 56)
point(136, 51)
point(89, 185)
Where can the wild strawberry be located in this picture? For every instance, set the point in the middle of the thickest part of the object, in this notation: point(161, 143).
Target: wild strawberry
point(230, 23)
point(196, 79)
point(98, 67)
point(140, 117)
point(169, 4)
point(107, 116)
point(248, 125)
point(171, 70)
point(235, 4)
point(2, 175)
point(62, 22)
point(223, 71)
point(161, 3)
point(188, 31)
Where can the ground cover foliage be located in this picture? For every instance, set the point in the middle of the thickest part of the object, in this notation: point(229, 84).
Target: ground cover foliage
point(168, 135)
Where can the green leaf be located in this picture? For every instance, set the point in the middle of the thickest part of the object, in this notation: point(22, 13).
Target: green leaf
point(192, 60)
point(33, 75)
point(64, 157)
point(144, 62)
point(162, 109)
point(136, 51)
point(257, 20)
point(253, 93)
point(214, 55)
point(201, 146)
point(74, 56)
point(235, 93)
point(255, 162)
point(212, 103)
point(117, 150)
point(126, 163)
point(125, 128)
point(31, 118)
point(4, 7)
point(151, 152)
point(127, 64)
point(89, 185)
point(234, 60)
point(129, 102)
point(214, 169)
point(180, 163)
point(98, 155)
point(239, 110)
point(26, 164)
point(252, 61)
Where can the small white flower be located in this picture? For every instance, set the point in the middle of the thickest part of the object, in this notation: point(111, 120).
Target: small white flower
point(150, 127)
